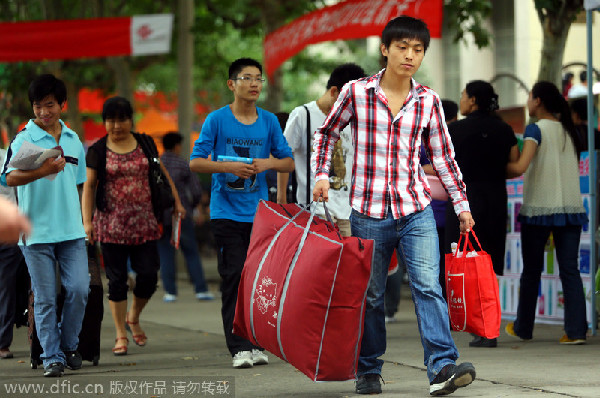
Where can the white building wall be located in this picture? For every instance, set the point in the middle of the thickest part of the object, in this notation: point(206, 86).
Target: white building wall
point(576, 49)
point(433, 64)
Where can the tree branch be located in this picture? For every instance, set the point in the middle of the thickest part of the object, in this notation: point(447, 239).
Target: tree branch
point(541, 15)
point(247, 23)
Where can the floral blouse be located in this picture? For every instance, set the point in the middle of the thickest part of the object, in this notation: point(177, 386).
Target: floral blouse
point(129, 218)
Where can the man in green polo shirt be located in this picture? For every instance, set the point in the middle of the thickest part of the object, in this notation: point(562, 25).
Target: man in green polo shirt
point(48, 196)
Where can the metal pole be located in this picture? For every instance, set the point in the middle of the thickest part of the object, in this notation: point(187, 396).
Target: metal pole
point(593, 187)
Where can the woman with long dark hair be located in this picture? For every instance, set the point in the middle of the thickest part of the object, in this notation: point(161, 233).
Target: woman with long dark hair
point(552, 203)
point(484, 145)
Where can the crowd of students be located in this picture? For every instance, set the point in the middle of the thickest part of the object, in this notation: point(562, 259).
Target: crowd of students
point(358, 145)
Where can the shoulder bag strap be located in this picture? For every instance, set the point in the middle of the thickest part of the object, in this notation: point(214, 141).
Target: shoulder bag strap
point(149, 150)
point(308, 142)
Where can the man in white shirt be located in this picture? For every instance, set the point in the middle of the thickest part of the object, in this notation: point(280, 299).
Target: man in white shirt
point(297, 135)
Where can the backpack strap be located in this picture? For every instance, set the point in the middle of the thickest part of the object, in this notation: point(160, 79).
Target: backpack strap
point(308, 142)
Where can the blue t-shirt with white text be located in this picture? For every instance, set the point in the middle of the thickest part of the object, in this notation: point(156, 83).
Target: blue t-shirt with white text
point(232, 197)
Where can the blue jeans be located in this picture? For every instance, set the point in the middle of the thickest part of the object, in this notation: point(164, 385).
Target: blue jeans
point(415, 239)
point(566, 240)
point(189, 246)
point(71, 256)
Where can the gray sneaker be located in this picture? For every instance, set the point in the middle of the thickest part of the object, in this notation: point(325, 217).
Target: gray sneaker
point(205, 296)
point(259, 357)
point(242, 359)
point(55, 369)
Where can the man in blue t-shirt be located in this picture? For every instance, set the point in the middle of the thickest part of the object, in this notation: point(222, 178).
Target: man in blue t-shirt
point(235, 145)
point(48, 196)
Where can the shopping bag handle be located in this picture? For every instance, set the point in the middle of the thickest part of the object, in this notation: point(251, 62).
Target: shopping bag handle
point(467, 243)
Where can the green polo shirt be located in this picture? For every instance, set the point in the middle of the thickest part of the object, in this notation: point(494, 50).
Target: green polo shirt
point(53, 207)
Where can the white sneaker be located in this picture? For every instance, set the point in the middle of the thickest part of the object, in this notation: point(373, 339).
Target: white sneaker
point(391, 319)
point(205, 296)
point(169, 298)
point(243, 359)
point(259, 357)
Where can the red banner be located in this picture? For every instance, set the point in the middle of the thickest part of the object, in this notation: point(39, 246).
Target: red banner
point(79, 38)
point(352, 19)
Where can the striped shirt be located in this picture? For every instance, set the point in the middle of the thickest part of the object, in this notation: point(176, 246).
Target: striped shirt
point(386, 172)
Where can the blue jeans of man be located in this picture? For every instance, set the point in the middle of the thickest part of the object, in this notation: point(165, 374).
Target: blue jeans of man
point(71, 256)
point(189, 246)
point(566, 240)
point(415, 239)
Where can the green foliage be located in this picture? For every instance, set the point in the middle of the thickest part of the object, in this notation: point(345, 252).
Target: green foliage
point(91, 72)
point(233, 29)
point(564, 10)
point(465, 17)
point(224, 30)
point(305, 75)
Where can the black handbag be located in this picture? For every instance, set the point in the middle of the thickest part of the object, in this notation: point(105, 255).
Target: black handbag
point(162, 196)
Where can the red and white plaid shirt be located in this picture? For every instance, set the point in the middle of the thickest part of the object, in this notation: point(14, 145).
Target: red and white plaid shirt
point(386, 171)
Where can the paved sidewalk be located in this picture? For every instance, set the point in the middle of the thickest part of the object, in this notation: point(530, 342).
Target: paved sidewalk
point(186, 343)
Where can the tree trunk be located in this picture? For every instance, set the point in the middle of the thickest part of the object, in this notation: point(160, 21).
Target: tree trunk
point(553, 49)
point(555, 18)
point(73, 115)
point(275, 92)
point(271, 15)
point(185, 65)
point(122, 72)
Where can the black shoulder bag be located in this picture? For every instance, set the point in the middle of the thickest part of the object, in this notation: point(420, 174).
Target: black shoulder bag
point(162, 196)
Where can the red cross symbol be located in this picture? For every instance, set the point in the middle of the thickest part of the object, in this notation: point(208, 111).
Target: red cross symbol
point(144, 31)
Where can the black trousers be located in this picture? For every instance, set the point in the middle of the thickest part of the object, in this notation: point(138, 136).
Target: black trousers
point(11, 259)
point(144, 261)
point(232, 239)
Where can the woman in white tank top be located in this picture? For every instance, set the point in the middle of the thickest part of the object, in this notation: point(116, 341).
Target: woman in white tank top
point(552, 203)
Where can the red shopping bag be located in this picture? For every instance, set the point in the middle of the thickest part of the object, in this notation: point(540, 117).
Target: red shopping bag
point(472, 290)
point(302, 291)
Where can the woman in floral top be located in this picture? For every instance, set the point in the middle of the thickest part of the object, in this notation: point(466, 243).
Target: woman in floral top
point(124, 221)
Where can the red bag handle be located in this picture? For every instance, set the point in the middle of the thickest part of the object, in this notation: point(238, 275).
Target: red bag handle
point(467, 242)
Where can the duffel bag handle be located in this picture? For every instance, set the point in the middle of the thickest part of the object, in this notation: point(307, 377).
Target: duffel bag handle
point(328, 217)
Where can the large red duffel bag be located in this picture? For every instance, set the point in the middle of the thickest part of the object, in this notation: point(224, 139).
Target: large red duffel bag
point(302, 292)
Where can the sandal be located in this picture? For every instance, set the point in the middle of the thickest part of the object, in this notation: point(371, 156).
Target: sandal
point(139, 339)
point(119, 350)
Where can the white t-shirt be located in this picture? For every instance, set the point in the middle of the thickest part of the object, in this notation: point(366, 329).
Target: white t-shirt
point(340, 177)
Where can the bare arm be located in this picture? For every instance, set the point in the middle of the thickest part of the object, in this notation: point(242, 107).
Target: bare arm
point(13, 223)
point(512, 157)
point(87, 203)
point(21, 177)
point(518, 167)
point(284, 165)
point(242, 170)
point(428, 169)
point(282, 184)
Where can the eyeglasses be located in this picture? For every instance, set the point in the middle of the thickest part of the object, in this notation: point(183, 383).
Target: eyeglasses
point(248, 79)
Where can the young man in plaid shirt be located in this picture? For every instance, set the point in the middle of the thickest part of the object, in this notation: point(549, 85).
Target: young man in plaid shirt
point(391, 116)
